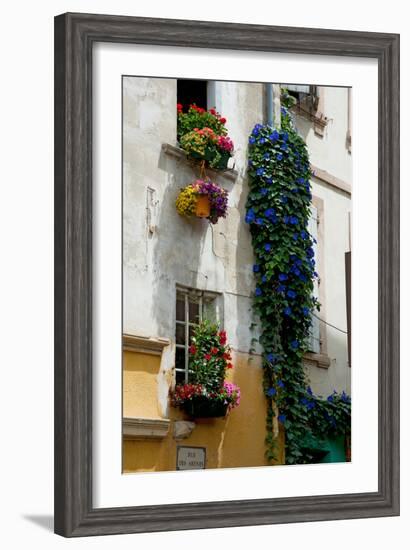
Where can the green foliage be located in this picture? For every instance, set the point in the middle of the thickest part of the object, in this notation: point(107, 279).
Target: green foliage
point(209, 356)
point(278, 210)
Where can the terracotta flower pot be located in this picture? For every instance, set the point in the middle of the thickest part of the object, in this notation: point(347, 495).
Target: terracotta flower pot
point(203, 206)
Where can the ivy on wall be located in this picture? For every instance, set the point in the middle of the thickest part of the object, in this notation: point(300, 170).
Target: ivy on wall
point(277, 211)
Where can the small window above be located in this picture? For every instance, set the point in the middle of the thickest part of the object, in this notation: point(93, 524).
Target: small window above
point(192, 91)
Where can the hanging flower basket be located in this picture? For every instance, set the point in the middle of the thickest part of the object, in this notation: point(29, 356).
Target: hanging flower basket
point(203, 198)
point(203, 135)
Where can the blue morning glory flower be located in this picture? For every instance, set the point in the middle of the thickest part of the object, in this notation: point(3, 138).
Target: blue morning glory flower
point(258, 291)
point(266, 156)
point(274, 135)
point(259, 221)
point(305, 310)
point(260, 171)
point(295, 236)
point(309, 390)
point(262, 140)
point(283, 277)
point(294, 220)
point(250, 163)
point(283, 199)
point(303, 277)
point(296, 271)
point(281, 288)
point(256, 268)
point(270, 212)
point(264, 191)
point(330, 398)
point(294, 344)
point(283, 111)
point(286, 219)
point(252, 140)
point(310, 252)
point(344, 397)
point(295, 190)
point(301, 180)
point(271, 392)
point(304, 234)
point(268, 247)
point(284, 147)
point(280, 383)
point(264, 278)
point(282, 418)
point(287, 311)
point(311, 405)
point(269, 180)
point(256, 129)
point(291, 294)
point(279, 156)
point(250, 216)
point(271, 357)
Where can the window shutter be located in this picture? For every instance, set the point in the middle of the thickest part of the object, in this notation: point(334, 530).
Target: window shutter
point(314, 335)
point(348, 277)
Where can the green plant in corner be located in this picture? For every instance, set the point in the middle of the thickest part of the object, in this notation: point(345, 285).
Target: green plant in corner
point(278, 209)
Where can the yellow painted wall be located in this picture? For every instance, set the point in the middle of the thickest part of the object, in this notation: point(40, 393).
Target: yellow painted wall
point(235, 441)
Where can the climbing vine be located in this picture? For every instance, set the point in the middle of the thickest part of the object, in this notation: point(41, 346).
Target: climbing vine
point(277, 211)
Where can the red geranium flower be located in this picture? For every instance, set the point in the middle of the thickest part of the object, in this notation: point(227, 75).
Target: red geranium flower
point(222, 337)
point(207, 356)
point(227, 356)
point(222, 120)
point(192, 349)
point(179, 107)
point(229, 366)
point(214, 351)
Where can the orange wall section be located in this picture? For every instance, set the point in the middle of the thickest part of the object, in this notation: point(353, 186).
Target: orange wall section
point(235, 441)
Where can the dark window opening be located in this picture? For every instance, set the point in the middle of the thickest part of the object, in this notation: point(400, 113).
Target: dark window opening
point(192, 91)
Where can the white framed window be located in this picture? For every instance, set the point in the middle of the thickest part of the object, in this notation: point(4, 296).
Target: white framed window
point(314, 334)
point(192, 306)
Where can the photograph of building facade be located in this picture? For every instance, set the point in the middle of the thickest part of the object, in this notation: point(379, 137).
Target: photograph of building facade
point(179, 271)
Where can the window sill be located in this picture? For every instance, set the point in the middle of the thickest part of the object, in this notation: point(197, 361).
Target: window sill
point(180, 154)
point(145, 428)
point(319, 360)
point(143, 344)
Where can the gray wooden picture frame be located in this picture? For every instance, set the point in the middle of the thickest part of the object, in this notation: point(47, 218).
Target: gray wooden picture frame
point(75, 35)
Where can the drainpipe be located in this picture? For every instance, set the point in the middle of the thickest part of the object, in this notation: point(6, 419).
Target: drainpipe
point(269, 103)
point(272, 98)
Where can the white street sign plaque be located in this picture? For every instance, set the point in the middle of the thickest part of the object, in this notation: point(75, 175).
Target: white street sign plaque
point(191, 458)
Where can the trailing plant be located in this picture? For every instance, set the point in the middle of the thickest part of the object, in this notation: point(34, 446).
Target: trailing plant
point(278, 210)
point(209, 360)
point(187, 200)
point(203, 135)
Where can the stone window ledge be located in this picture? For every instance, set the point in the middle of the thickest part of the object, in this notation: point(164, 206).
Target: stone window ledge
point(320, 360)
point(180, 154)
point(145, 428)
point(144, 344)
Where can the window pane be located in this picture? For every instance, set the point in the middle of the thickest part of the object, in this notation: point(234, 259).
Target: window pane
point(209, 310)
point(191, 331)
point(180, 334)
point(180, 358)
point(193, 311)
point(180, 309)
point(180, 377)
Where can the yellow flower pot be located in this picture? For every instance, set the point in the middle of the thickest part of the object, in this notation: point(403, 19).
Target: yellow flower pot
point(203, 206)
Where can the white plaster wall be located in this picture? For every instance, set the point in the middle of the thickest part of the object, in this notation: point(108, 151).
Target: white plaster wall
point(330, 152)
point(190, 252)
point(335, 220)
point(162, 249)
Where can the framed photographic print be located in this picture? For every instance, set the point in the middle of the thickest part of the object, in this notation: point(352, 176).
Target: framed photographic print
point(226, 274)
